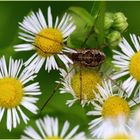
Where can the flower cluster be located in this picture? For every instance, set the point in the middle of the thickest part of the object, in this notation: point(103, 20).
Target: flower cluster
point(114, 25)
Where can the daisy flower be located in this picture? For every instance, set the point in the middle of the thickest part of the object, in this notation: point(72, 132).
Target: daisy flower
point(71, 83)
point(15, 94)
point(121, 135)
point(47, 39)
point(110, 105)
point(135, 123)
point(132, 133)
point(48, 128)
point(127, 62)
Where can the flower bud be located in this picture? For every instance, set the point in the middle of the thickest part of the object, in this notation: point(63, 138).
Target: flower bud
point(108, 20)
point(120, 22)
point(114, 38)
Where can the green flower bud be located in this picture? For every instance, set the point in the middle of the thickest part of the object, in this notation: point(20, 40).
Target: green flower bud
point(114, 38)
point(108, 20)
point(120, 21)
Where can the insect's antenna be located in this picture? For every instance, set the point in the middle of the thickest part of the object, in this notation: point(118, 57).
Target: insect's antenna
point(120, 88)
point(35, 34)
point(61, 43)
point(80, 83)
point(53, 53)
point(54, 91)
point(91, 30)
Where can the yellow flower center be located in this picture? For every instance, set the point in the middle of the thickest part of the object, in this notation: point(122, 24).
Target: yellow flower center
point(49, 41)
point(11, 92)
point(115, 106)
point(90, 79)
point(134, 66)
point(120, 136)
point(53, 138)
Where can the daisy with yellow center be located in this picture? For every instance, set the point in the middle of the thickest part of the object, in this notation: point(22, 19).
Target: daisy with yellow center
point(15, 94)
point(128, 63)
point(49, 129)
point(71, 84)
point(110, 106)
point(47, 39)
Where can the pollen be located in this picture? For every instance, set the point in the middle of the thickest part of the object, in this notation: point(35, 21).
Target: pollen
point(134, 66)
point(48, 41)
point(11, 92)
point(120, 136)
point(115, 106)
point(53, 138)
point(90, 79)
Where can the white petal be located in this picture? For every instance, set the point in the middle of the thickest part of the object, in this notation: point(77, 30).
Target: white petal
point(73, 131)
point(9, 120)
point(64, 129)
point(24, 117)
point(50, 20)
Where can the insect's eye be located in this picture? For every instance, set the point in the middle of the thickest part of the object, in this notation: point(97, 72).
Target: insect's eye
point(97, 57)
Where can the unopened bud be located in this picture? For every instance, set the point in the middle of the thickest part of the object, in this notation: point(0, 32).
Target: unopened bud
point(108, 20)
point(120, 22)
point(114, 38)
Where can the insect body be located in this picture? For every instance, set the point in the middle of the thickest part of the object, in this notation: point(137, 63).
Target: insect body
point(88, 57)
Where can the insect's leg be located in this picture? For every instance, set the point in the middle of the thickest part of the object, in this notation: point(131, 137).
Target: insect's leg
point(114, 82)
point(98, 68)
point(80, 83)
point(54, 91)
point(91, 31)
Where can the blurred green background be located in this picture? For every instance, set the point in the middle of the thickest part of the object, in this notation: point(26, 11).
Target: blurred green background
point(13, 12)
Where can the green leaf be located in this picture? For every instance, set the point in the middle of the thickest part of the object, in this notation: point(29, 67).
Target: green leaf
point(78, 12)
point(76, 39)
point(95, 9)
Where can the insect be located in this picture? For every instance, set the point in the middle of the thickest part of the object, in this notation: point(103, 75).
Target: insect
point(88, 57)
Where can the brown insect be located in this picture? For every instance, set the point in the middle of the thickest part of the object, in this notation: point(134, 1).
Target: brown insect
point(88, 57)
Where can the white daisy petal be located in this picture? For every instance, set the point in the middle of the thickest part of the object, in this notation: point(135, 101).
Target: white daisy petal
point(41, 19)
point(9, 120)
point(24, 47)
point(73, 131)
point(64, 129)
point(56, 22)
point(62, 21)
point(40, 129)
point(135, 42)
point(24, 117)
point(1, 113)
point(32, 133)
point(51, 128)
point(120, 74)
point(69, 31)
point(29, 106)
point(49, 17)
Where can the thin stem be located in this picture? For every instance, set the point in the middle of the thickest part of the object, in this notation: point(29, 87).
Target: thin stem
point(80, 83)
point(120, 88)
point(54, 92)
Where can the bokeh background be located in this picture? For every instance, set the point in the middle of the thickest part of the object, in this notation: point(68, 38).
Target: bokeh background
point(13, 12)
